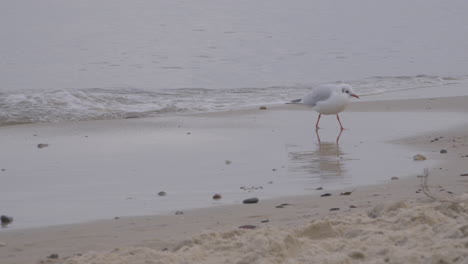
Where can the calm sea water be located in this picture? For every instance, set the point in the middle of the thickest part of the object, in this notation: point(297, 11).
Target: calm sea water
point(82, 60)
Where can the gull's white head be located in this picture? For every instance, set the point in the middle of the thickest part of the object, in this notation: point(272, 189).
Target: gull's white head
point(347, 90)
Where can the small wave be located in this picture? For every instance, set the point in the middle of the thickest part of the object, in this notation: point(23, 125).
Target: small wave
point(127, 102)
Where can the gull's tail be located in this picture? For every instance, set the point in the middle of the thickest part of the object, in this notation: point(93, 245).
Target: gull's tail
point(296, 101)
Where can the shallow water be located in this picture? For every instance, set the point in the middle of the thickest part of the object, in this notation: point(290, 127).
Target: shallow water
point(85, 60)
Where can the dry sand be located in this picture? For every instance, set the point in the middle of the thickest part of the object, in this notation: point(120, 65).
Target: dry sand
point(393, 222)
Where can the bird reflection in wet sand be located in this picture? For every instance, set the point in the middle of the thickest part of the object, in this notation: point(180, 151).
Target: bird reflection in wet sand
point(326, 161)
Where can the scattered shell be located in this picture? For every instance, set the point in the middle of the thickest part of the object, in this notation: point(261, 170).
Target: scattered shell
point(42, 145)
point(247, 227)
point(419, 157)
point(443, 151)
point(394, 178)
point(217, 196)
point(251, 200)
point(162, 193)
point(262, 107)
point(325, 194)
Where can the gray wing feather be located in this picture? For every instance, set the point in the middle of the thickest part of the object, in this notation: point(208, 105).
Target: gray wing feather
point(318, 94)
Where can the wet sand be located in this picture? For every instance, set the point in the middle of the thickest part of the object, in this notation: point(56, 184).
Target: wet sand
point(380, 144)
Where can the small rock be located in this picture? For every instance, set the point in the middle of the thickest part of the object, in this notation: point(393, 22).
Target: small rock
point(217, 196)
point(394, 178)
point(3, 244)
point(250, 201)
point(419, 157)
point(443, 151)
point(188, 133)
point(116, 218)
point(325, 194)
point(346, 193)
point(5, 220)
point(162, 193)
point(356, 255)
point(179, 213)
point(247, 227)
point(334, 209)
point(464, 174)
point(228, 162)
point(319, 188)
point(265, 221)
point(270, 182)
point(53, 256)
point(262, 107)
point(42, 145)
point(282, 205)
point(273, 169)
point(3, 170)
point(352, 206)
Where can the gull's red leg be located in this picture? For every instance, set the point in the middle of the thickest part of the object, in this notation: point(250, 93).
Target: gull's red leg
point(339, 121)
point(318, 120)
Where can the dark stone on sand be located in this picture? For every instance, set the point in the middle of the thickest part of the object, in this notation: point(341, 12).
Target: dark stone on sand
point(53, 256)
point(394, 178)
point(247, 227)
point(319, 188)
point(42, 145)
point(265, 221)
point(464, 174)
point(325, 194)
point(262, 107)
point(3, 170)
point(5, 220)
point(282, 205)
point(217, 196)
point(162, 193)
point(346, 193)
point(352, 206)
point(179, 213)
point(251, 200)
point(334, 209)
point(443, 151)
point(116, 218)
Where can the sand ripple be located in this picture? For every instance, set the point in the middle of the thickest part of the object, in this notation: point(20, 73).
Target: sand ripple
point(402, 232)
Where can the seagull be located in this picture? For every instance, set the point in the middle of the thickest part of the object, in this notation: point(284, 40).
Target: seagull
point(328, 99)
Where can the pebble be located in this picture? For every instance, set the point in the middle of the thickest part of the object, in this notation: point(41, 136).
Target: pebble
point(352, 206)
point(5, 220)
point(334, 209)
point(319, 188)
point(251, 200)
point(443, 151)
point(394, 178)
point(325, 194)
point(247, 227)
point(282, 205)
point(419, 157)
point(217, 196)
point(42, 145)
point(262, 107)
point(179, 213)
point(265, 221)
point(3, 169)
point(53, 256)
point(346, 193)
point(228, 162)
point(162, 193)
point(464, 174)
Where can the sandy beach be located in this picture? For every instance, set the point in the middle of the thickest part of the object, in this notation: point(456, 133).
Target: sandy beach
point(390, 221)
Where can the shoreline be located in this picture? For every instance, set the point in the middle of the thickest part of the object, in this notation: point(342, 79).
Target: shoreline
point(167, 231)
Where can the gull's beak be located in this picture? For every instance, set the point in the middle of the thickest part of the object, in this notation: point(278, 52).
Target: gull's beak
point(353, 95)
